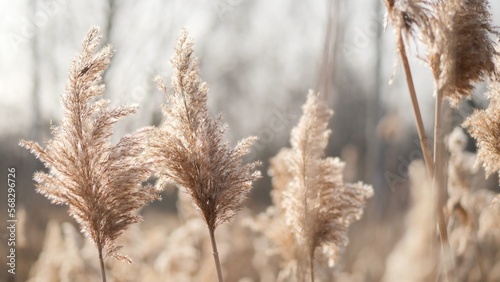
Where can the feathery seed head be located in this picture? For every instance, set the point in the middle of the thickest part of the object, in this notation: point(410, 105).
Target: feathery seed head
point(188, 149)
point(317, 205)
point(100, 182)
point(457, 36)
point(484, 126)
point(460, 51)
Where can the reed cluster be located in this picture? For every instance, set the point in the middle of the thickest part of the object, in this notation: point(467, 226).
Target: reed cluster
point(460, 52)
point(303, 235)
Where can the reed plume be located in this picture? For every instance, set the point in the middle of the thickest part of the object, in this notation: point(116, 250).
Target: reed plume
point(456, 34)
point(100, 182)
point(459, 49)
point(318, 206)
point(188, 149)
point(484, 126)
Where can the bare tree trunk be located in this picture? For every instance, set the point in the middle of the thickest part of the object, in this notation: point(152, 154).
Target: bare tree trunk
point(35, 90)
point(107, 34)
point(111, 12)
point(374, 169)
point(328, 62)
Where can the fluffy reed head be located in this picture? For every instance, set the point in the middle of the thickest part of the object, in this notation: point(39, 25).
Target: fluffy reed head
point(318, 206)
point(484, 126)
point(457, 36)
point(188, 149)
point(460, 51)
point(100, 182)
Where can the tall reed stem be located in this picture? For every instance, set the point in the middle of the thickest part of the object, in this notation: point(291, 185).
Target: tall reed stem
point(434, 165)
point(439, 173)
point(439, 182)
point(216, 255)
point(416, 109)
point(311, 265)
point(103, 271)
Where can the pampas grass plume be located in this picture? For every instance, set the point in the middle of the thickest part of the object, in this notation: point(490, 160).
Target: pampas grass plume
point(98, 181)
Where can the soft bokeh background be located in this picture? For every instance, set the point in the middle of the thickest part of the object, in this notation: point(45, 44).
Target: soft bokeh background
point(259, 58)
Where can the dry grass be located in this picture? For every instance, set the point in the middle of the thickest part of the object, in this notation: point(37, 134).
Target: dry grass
point(460, 52)
point(449, 234)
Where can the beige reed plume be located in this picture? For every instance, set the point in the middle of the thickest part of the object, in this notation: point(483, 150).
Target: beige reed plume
point(459, 48)
point(188, 149)
point(457, 36)
point(318, 206)
point(100, 182)
point(484, 126)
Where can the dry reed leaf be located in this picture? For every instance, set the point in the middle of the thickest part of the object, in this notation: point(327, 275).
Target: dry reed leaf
point(100, 182)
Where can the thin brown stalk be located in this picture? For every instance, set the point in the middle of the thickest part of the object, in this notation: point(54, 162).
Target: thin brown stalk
point(438, 150)
point(216, 255)
point(434, 164)
point(311, 265)
point(103, 270)
point(416, 109)
point(439, 179)
point(438, 157)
